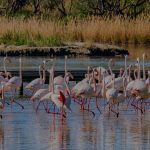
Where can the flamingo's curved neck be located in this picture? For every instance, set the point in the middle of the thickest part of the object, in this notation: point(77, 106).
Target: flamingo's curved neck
point(4, 65)
point(121, 73)
point(113, 84)
point(99, 76)
point(144, 75)
point(3, 95)
point(88, 73)
point(139, 69)
point(44, 73)
point(65, 65)
point(40, 72)
point(20, 67)
point(52, 79)
point(126, 66)
point(109, 66)
point(129, 75)
point(148, 80)
point(124, 87)
point(103, 86)
point(66, 84)
point(135, 76)
point(93, 81)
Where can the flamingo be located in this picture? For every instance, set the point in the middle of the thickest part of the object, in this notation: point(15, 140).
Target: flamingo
point(86, 91)
point(58, 84)
point(87, 79)
point(101, 70)
point(2, 103)
point(59, 80)
point(59, 99)
point(113, 96)
point(62, 100)
point(37, 83)
point(139, 87)
point(118, 81)
point(14, 83)
point(7, 74)
point(39, 93)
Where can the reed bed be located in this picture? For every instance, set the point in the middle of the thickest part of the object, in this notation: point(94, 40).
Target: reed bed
point(35, 32)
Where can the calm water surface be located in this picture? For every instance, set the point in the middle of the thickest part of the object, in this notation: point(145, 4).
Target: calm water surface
point(26, 129)
point(30, 63)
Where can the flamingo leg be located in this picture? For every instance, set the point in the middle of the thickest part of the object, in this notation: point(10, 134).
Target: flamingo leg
point(54, 107)
point(46, 109)
point(133, 104)
point(129, 99)
point(18, 104)
point(74, 99)
point(82, 104)
point(136, 107)
point(57, 113)
point(13, 101)
point(89, 104)
point(7, 103)
point(83, 108)
point(145, 103)
point(117, 113)
point(38, 106)
point(89, 111)
point(112, 110)
point(78, 103)
point(98, 105)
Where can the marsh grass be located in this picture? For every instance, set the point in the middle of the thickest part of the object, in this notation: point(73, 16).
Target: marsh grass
point(33, 32)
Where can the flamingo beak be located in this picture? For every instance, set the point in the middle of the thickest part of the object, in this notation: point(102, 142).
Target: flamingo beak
point(72, 77)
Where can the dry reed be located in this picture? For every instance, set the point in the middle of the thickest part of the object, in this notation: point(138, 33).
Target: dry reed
point(92, 29)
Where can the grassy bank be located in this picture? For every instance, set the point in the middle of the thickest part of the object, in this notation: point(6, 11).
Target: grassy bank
point(33, 32)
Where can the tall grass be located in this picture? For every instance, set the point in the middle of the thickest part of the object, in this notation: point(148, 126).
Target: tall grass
point(33, 32)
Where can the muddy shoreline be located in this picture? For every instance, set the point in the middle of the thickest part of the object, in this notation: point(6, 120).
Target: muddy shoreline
point(72, 50)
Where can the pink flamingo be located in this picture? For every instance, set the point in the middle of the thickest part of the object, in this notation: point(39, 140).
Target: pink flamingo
point(59, 80)
point(7, 74)
point(2, 103)
point(37, 83)
point(85, 91)
point(113, 97)
point(119, 80)
point(14, 83)
point(140, 88)
point(88, 78)
point(59, 99)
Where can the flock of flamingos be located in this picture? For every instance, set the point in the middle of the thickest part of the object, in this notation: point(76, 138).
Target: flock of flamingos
point(99, 84)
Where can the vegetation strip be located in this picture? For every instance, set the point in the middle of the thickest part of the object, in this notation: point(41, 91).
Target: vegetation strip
point(74, 49)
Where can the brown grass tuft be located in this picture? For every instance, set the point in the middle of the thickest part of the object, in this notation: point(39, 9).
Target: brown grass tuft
point(92, 29)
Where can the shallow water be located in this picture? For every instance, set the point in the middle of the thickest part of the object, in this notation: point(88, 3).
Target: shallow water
point(26, 129)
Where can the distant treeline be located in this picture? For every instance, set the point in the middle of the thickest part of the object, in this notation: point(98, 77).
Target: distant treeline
point(56, 9)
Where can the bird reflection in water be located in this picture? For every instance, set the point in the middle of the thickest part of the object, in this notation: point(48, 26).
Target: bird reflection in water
point(87, 133)
point(59, 134)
